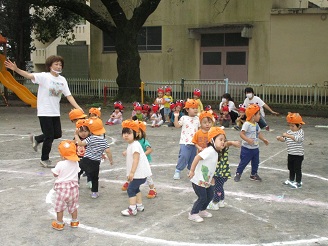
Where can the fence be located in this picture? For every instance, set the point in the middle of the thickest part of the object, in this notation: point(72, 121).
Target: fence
point(212, 90)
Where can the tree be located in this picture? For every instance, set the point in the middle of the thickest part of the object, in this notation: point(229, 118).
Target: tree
point(122, 30)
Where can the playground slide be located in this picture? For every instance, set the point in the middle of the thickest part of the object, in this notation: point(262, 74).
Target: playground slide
point(20, 90)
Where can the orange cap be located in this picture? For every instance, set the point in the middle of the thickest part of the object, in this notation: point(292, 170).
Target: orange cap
point(80, 123)
point(251, 110)
point(76, 114)
point(95, 126)
point(191, 103)
point(134, 125)
point(214, 131)
point(206, 114)
point(142, 125)
point(67, 149)
point(294, 118)
point(95, 111)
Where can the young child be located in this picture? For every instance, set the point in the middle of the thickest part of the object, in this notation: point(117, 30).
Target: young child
point(146, 111)
point(250, 134)
point(197, 95)
point(294, 139)
point(168, 100)
point(137, 167)
point(200, 138)
point(156, 117)
point(160, 101)
point(222, 174)
point(190, 124)
point(147, 149)
point(66, 184)
point(138, 113)
point(117, 116)
point(94, 113)
point(241, 117)
point(76, 114)
point(252, 99)
point(202, 171)
point(225, 118)
point(215, 116)
point(83, 132)
point(96, 145)
point(175, 107)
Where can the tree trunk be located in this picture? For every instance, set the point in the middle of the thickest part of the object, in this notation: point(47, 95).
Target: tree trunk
point(128, 62)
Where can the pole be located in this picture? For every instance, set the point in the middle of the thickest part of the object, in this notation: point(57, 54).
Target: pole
point(142, 88)
point(105, 95)
point(226, 80)
point(182, 88)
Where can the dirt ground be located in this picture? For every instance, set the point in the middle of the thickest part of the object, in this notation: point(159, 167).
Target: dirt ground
point(257, 213)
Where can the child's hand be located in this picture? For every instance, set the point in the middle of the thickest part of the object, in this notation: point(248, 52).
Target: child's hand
point(124, 153)
point(236, 144)
point(279, 138)
point(176, 114)
point(285, 134)
point(250, 141)
point(265, 141)
point(130, 177)
point(191, 174)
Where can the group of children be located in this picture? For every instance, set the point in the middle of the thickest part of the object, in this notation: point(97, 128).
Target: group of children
point(203, 150)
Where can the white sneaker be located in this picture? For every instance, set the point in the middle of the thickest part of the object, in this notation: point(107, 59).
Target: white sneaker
point(176, 175)
point(129, 212)
point(47, 163)
point(94, 195)
point(34, 143)
point(213, 206)
point(89, 184)
point(195, 218)
point(221, 204)
point(205, 214)
point(140, 208)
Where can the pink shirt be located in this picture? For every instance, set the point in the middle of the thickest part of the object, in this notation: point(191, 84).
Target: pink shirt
point(66, 171)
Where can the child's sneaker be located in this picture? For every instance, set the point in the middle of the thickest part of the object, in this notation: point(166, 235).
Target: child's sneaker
point(152, 194)
point(295, 185)
point(125, 186)
point(57, 226)
point(237, 177)
point(94, 195)
point(140, 208)
point(221, 204)
point(195, 218)
point(205, 214)
point(176, 175)
point(213, 206)
point(75, 224)
point(129, 212)
point(255, 177)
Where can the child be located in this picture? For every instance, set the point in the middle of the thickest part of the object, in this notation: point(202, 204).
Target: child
point(168, 100)
point(209, 109)
point(138, 113)
point(117, 116)
point(251, 99)
point(66, 184)
point(147, 149)
point(228, 101)
point(96, 145)
point(222, 174)
point(177, 108)
point(241, 117)
point(137, 167)
point(225, 118)
point(202, 171)
point(294, 139)
point(156, 117)
point(94, 112)
point(76, 114)
point(200, 138)
point(160, 101)
point(197, 95)
point(83, 132)
point(146, 111)
point(250, 134)
point(190, 124)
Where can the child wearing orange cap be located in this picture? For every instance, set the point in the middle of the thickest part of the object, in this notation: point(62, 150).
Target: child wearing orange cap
point(190, 124)
point(294, 139)
point(66, 184)
point(137, 167)
point(96, 145)
point(200, 138)
point(94, 112)
point(76, 114)
point(202, 171)
point(156, 117)
point(196, 96)
point(225, 117)
point(250, 134)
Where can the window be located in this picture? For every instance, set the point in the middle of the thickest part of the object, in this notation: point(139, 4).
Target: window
point(149, 39)
point(223, 39)
point(236, 58)
point(211, 58)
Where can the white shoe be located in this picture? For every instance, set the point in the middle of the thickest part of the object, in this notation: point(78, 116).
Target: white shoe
point(129, 212)
point(205, 214)
point(213, 206)
point(195, 218)
point(176, 175)
point(47, 163)
point(34, 143)
point(89, 184)
point(221, 204)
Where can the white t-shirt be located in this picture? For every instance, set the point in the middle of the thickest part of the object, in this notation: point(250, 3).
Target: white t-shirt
point(255, 100)
point(66, 171)
point(50, 91)
point(190, 126)
point(231, 105)
point(143, 168)
point(252, 131)
point(205, 169)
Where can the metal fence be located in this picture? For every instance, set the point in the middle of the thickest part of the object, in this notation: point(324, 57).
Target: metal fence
point(212, 90)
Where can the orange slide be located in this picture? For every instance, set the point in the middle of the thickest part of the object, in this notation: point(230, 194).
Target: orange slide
point(20, 90)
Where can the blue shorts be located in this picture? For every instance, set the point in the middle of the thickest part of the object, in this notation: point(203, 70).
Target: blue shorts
point(134, 187)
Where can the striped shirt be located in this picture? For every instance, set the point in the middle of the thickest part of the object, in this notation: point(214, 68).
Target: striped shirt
point(295, 147)
point(96, 146)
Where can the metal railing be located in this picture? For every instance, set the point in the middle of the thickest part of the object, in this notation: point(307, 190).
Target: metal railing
point(212, 90)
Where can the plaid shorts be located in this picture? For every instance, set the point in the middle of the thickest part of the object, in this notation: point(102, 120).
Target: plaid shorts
point(67, 196)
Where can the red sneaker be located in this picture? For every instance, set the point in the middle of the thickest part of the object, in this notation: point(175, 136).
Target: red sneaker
point(152, 194)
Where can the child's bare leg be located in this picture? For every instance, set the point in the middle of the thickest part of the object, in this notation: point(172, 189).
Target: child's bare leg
point(74, 215)
point(152, 186)
point(60, 216)
point(133, 200)
point(138, 198)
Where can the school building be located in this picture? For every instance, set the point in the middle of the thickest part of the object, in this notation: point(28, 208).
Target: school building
point(260, 41)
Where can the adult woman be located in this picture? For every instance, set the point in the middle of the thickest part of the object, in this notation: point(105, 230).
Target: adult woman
point(51, 87)
point(228, 101)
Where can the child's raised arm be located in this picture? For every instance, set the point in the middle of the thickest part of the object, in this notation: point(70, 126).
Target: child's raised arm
point(176, 120)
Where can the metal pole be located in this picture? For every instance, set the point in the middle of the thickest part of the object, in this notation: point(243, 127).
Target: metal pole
point(226, 80)
point(142, 88)
point(182, 89)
